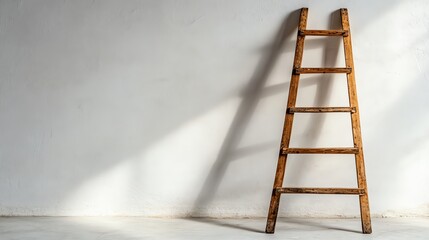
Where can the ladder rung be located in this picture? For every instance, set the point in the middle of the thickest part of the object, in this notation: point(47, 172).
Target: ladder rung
point(321, 109)
point(353, 191)
point(322, 70)
point(320, 150)
point(323, 32)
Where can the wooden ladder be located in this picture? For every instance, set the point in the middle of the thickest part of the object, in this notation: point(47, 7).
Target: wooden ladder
point(353, 109)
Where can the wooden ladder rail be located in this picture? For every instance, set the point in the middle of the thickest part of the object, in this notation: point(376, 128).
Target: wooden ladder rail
point(357, 136)
point(357, 150)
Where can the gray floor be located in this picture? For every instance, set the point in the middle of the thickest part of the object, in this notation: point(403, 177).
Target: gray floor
point(83, 228)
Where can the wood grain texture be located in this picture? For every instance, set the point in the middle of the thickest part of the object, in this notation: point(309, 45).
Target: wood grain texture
point(320, 150)
point(322, 70)
point(287, 128)
point(320, 109)
point(351, 191)
point(323, 33)
point(356, 129)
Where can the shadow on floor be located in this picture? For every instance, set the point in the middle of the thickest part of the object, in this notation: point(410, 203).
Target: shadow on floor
point(318, 224)
point(221, 223)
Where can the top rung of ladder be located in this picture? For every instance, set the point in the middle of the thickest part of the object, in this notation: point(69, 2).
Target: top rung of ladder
point(343, 33)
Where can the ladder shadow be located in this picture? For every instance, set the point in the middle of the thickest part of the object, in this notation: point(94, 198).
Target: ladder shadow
point(251, 95)
point(220, 223)
point(316, 224)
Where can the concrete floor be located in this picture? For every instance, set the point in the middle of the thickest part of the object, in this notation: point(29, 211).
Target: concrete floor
point(84, 228)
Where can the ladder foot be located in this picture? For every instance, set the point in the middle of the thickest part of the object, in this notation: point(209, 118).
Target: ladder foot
point(365, 214)
point(272, 212)
point(271, 225)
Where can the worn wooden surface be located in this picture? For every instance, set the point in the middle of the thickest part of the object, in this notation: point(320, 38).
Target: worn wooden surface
point(322, 70)
point(287, 128)
point(353, 109)
point(320, 109)
point(323, 32)
point(320, 150)
point(350, 191)
point(357, 138)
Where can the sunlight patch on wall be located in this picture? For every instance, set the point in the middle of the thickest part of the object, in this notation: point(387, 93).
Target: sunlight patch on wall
point(164, 179)
point(104, 194)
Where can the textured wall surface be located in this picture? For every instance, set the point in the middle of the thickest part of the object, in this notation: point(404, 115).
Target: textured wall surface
point(175, 108)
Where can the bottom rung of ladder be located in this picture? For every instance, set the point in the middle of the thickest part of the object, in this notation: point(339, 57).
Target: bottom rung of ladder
point(351, 191)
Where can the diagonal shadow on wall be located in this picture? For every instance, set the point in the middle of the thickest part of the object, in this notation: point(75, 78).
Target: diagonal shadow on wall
point(251, 95)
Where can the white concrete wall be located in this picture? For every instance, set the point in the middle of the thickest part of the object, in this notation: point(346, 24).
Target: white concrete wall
point(175, 108)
